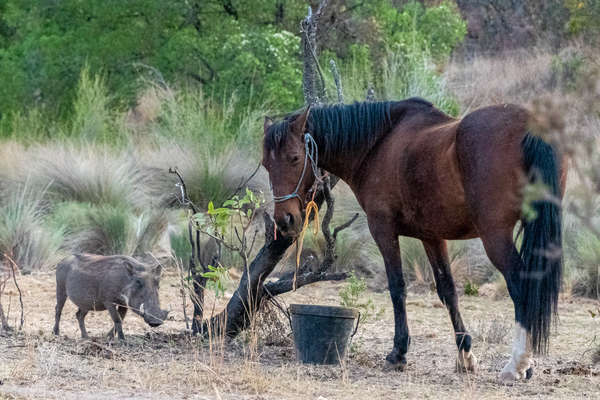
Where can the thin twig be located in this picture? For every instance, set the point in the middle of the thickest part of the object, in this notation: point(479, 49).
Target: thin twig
point(253, 241)
point(185, 200)
point(345, 225)
point(244, 183)
point(14, 268)
point(337, 80)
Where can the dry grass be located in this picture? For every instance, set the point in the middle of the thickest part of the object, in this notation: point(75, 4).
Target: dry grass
point(516, 77)
point(155, 363)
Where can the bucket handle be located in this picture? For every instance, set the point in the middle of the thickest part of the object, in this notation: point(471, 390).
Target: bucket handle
point(356, 327)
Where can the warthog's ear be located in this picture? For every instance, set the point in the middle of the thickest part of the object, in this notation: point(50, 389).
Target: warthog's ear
point(132, 268)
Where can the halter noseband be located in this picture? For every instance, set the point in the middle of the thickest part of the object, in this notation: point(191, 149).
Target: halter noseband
point(312, 154)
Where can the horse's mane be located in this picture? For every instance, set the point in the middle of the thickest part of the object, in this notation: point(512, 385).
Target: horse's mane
point(340, 127)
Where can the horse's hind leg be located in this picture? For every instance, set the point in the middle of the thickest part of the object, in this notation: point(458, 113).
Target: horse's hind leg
point(387, 241)
point(437, 252)
point(502, 252)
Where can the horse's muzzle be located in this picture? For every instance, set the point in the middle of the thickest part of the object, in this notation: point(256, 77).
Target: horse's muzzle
point(288, 225)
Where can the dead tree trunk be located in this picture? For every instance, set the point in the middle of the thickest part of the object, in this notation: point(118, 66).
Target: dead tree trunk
point(252, 290)
point(313, 83)
point(247, 298)
point(198, 281)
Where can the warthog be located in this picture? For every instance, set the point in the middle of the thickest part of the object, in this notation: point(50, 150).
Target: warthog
point(113, 283)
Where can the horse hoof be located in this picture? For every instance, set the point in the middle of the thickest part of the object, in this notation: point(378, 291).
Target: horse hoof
point(508, 377)
point(529, 373)
point(389, 366)
point(466, 362)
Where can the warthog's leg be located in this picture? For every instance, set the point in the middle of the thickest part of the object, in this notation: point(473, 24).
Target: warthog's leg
point(122, 312)
point(80, 314)
point(61, 298)
point(116, 317)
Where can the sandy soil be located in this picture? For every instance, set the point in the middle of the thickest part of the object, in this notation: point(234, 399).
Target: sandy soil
point(164, 362)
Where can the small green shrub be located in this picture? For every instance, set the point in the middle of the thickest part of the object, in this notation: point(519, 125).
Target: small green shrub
point(437, 29)
point(583, 19)
point(471, 289)
point(354, 295)
point(216, 279)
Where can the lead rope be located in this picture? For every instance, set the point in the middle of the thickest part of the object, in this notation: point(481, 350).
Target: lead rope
point(311, 206)
point(311, 152)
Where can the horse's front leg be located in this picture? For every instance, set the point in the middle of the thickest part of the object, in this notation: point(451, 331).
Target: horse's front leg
point(387, 240)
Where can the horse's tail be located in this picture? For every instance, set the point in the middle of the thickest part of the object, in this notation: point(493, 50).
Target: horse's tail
point(541, 249)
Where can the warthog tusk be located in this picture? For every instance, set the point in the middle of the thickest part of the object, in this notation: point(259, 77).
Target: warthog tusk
point(142, 308)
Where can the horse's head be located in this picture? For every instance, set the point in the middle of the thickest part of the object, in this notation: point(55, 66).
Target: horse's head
point(290, 170)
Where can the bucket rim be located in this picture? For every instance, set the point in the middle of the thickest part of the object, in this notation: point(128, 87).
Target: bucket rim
point(323, 311)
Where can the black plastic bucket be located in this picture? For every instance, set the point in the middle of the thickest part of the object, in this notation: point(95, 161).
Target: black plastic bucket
point(321, 332)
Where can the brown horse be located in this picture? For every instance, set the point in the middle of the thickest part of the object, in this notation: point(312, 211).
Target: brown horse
point(418, 172)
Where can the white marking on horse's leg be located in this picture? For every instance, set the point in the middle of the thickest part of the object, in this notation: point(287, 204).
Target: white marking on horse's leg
point(466, 362)
point(520, 358)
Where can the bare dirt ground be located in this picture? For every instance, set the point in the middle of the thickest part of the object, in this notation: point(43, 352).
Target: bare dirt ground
point(164, 362)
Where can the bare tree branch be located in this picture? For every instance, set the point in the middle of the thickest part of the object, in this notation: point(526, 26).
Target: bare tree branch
point(14, 269)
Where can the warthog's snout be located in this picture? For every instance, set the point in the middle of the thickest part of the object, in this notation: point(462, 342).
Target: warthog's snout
point(156, 320)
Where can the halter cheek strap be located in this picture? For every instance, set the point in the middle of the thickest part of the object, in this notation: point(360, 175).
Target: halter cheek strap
point(311, 154)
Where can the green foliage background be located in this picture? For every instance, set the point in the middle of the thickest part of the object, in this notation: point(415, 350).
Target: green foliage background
point(248, 49)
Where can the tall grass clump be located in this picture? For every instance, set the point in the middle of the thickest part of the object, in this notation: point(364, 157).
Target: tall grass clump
point(23, 234)
point(413, 74)
point(189, 116)
point(31, 126)
point(108, 230)
point(406, 72)
point(93, 174)
point(92, 119)
point(583, 264)
point(214, 146)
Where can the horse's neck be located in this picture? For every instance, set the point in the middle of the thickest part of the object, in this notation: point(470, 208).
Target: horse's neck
point(408, 116)
point(344, 164)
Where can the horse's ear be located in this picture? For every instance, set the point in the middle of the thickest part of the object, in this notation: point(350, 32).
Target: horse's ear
point(268, 122)
point(300, 122)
